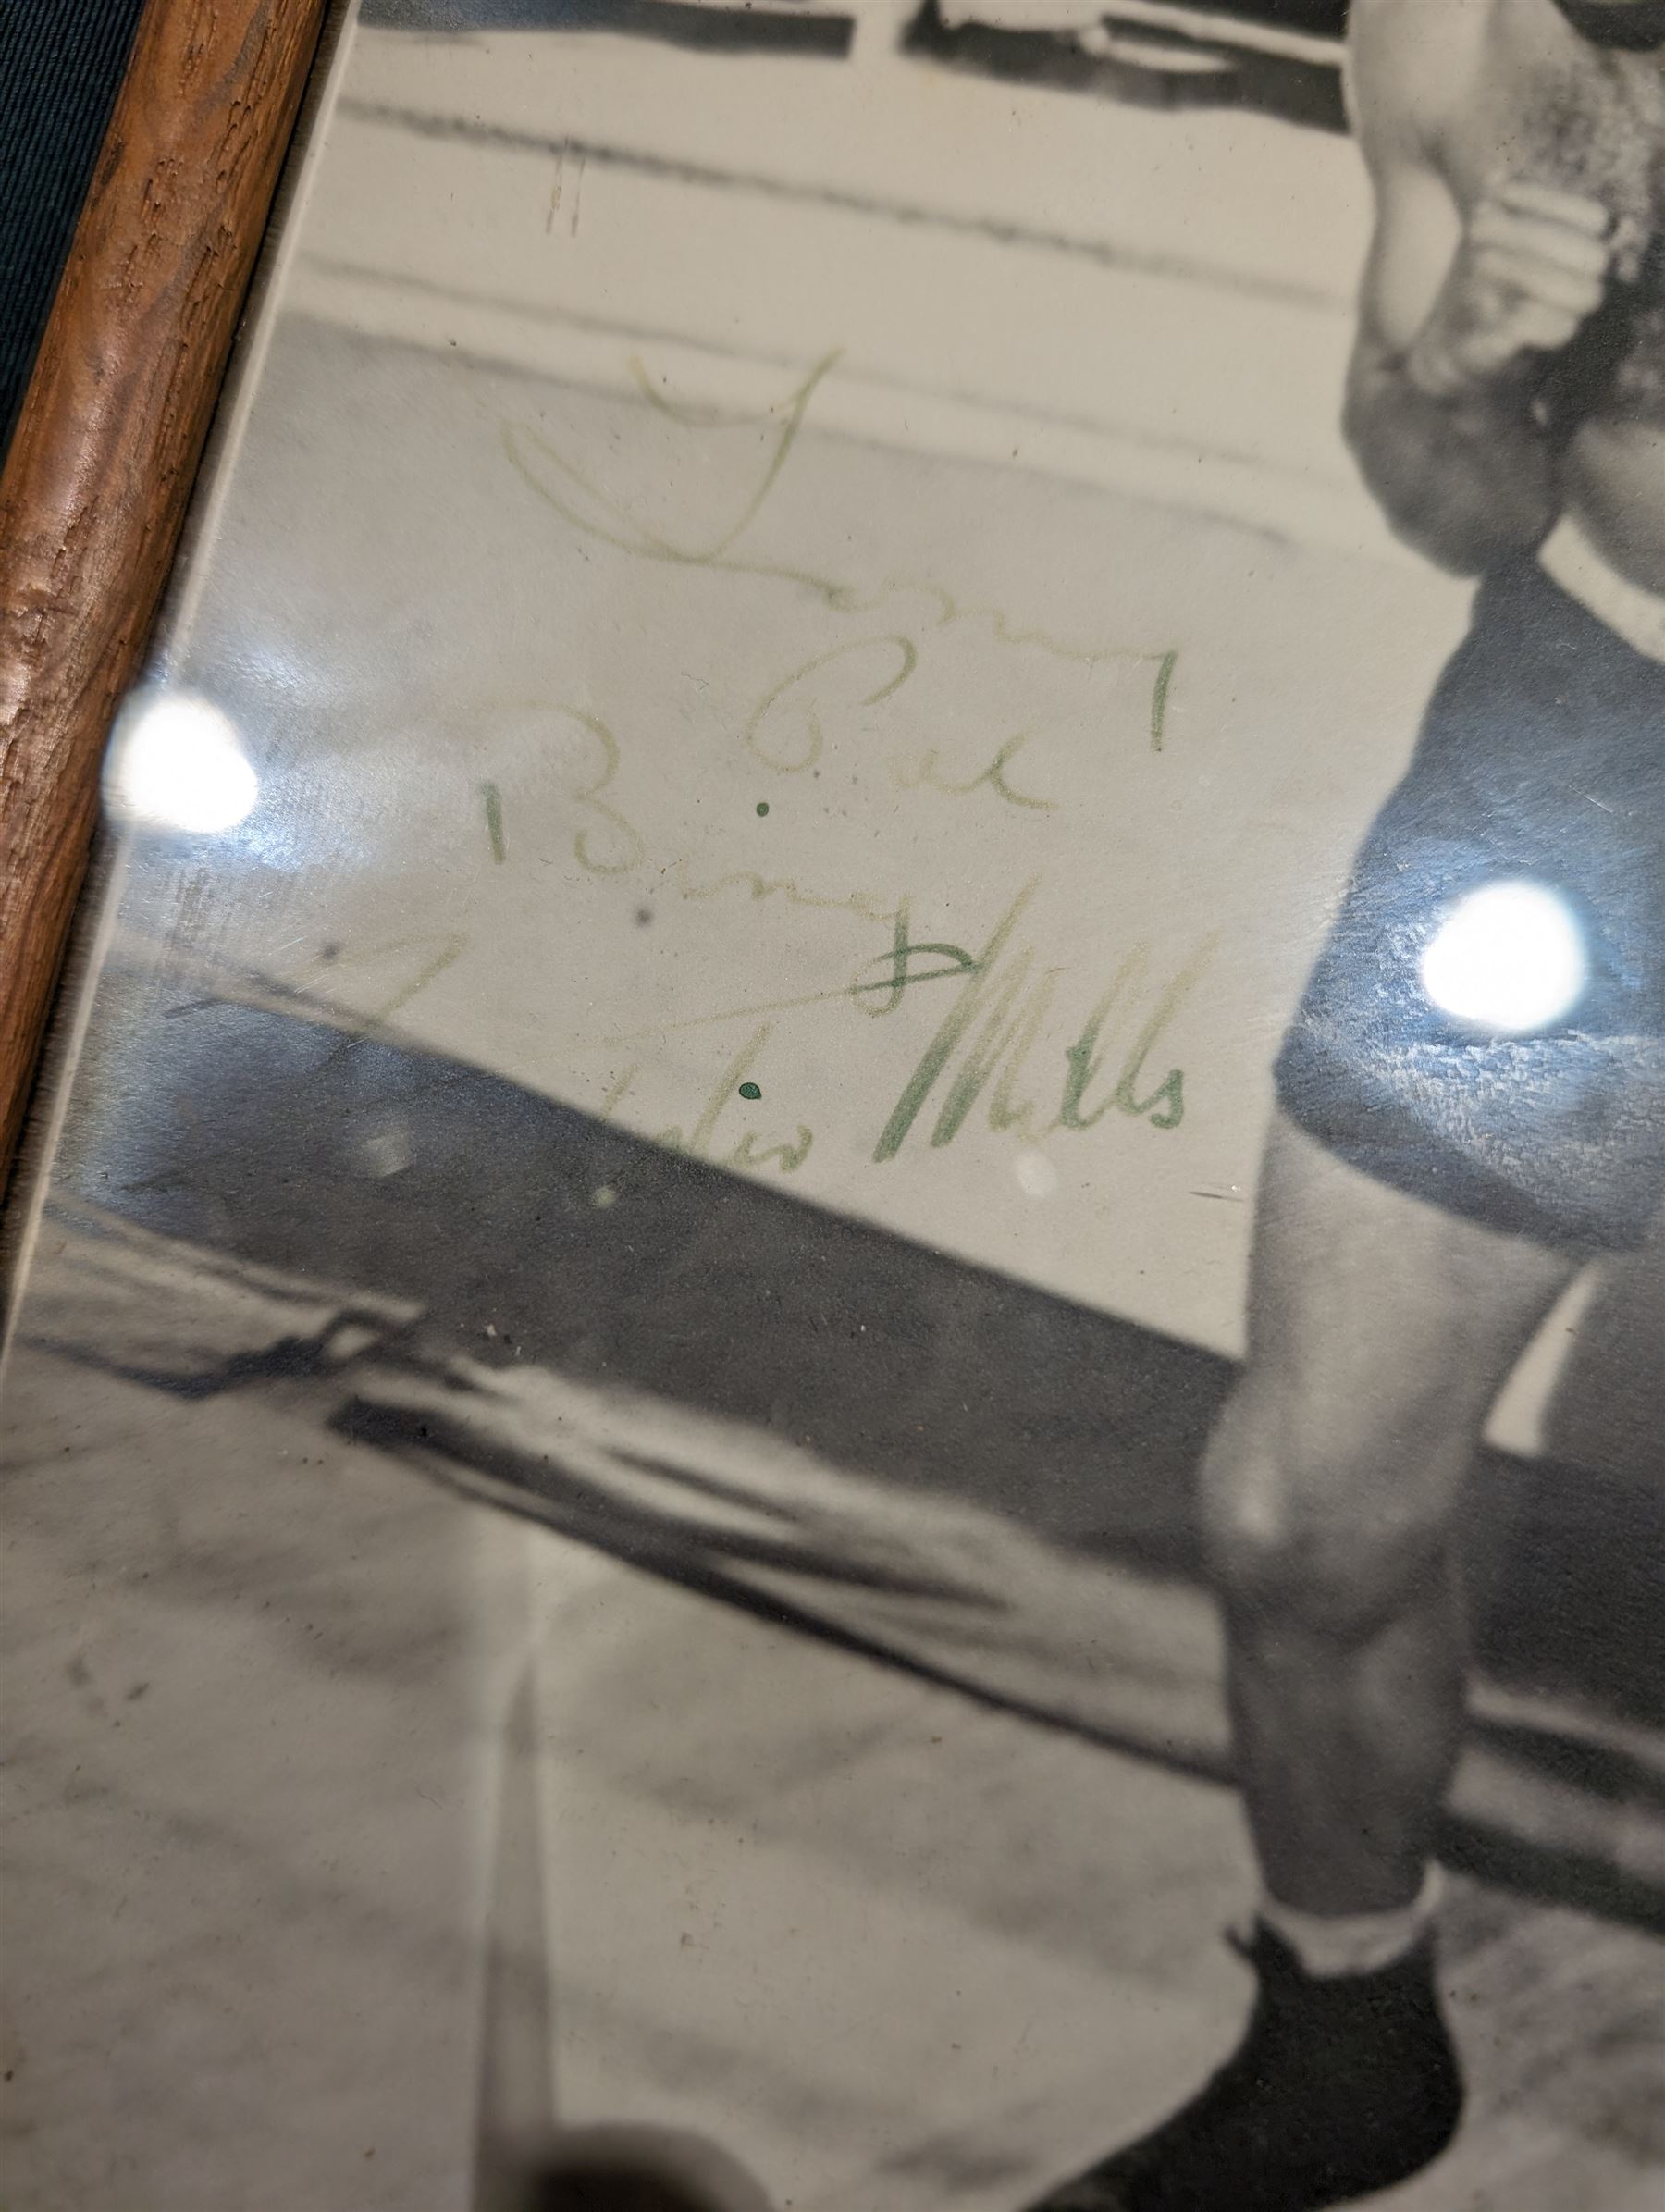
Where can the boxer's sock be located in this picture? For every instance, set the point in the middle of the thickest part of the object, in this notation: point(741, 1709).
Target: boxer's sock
point(1342, 2085)
point(1358, 1943)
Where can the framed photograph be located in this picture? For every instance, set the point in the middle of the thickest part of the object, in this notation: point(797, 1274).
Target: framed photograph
point(833, 1380)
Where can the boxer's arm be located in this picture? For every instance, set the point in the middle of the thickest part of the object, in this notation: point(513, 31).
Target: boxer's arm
point(1464, 474)
point(1454, 319)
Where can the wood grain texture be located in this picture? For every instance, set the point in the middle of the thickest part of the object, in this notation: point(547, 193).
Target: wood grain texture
point(112, 429)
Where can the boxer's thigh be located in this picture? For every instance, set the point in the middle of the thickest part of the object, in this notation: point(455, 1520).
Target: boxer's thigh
point(1381, 1329)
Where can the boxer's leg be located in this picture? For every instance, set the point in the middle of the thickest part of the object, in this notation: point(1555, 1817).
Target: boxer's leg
point(1381, 1329)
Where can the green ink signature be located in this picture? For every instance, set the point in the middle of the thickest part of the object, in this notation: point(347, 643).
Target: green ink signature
point(928, 776)
point(812, 736)
point(629, 850)
point(902, 975)
point(612, 523)
point(993, 1027)
point(608, 843)
point(699, 1142)
point(494, 821)
point(984, 1048)
point(868, 906)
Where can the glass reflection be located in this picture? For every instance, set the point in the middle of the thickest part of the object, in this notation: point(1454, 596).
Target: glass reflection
point(1509, 958)
point(174, 763)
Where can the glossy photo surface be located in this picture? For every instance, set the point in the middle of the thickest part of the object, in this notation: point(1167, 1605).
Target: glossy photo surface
point(770, 763)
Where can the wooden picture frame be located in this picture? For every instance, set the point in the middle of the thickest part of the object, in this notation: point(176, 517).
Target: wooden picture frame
point(104, 453)
point(634, 1272)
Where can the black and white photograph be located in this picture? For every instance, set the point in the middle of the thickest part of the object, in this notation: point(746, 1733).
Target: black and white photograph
point(837, 1363)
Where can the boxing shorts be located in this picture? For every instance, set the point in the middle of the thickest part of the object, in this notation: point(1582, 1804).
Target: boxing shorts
point(1484, 1027)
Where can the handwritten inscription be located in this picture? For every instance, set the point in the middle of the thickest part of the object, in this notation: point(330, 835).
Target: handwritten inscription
point(551, 473)
point(750, 1152)
point(986, 1042)
point(787, 731)
point(916, 716)
point(993, 1047)
point(493, 799)
point(929, 775)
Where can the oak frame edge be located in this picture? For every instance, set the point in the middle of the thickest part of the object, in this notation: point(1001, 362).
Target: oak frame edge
point(108, 442)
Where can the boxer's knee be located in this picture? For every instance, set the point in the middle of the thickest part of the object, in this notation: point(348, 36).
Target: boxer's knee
point(1328, 1521)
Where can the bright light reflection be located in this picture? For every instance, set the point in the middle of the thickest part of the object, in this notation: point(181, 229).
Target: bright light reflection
point(1509, 958)
point(174, 763)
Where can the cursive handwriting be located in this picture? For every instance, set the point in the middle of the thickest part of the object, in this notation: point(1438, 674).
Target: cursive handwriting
point(699, 1142)
point(803, 740)
point(988, 1049)
point(556, 479)
point(494, 821)
point(928, 776)
point(989, 1033)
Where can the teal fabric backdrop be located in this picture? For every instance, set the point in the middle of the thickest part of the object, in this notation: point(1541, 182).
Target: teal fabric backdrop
point(61, 64)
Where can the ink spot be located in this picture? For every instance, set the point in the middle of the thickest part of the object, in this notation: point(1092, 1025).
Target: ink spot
point(762, 805)
point(750, 1091)
point(330, 952)
point(494, 821)
point(644, 916)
